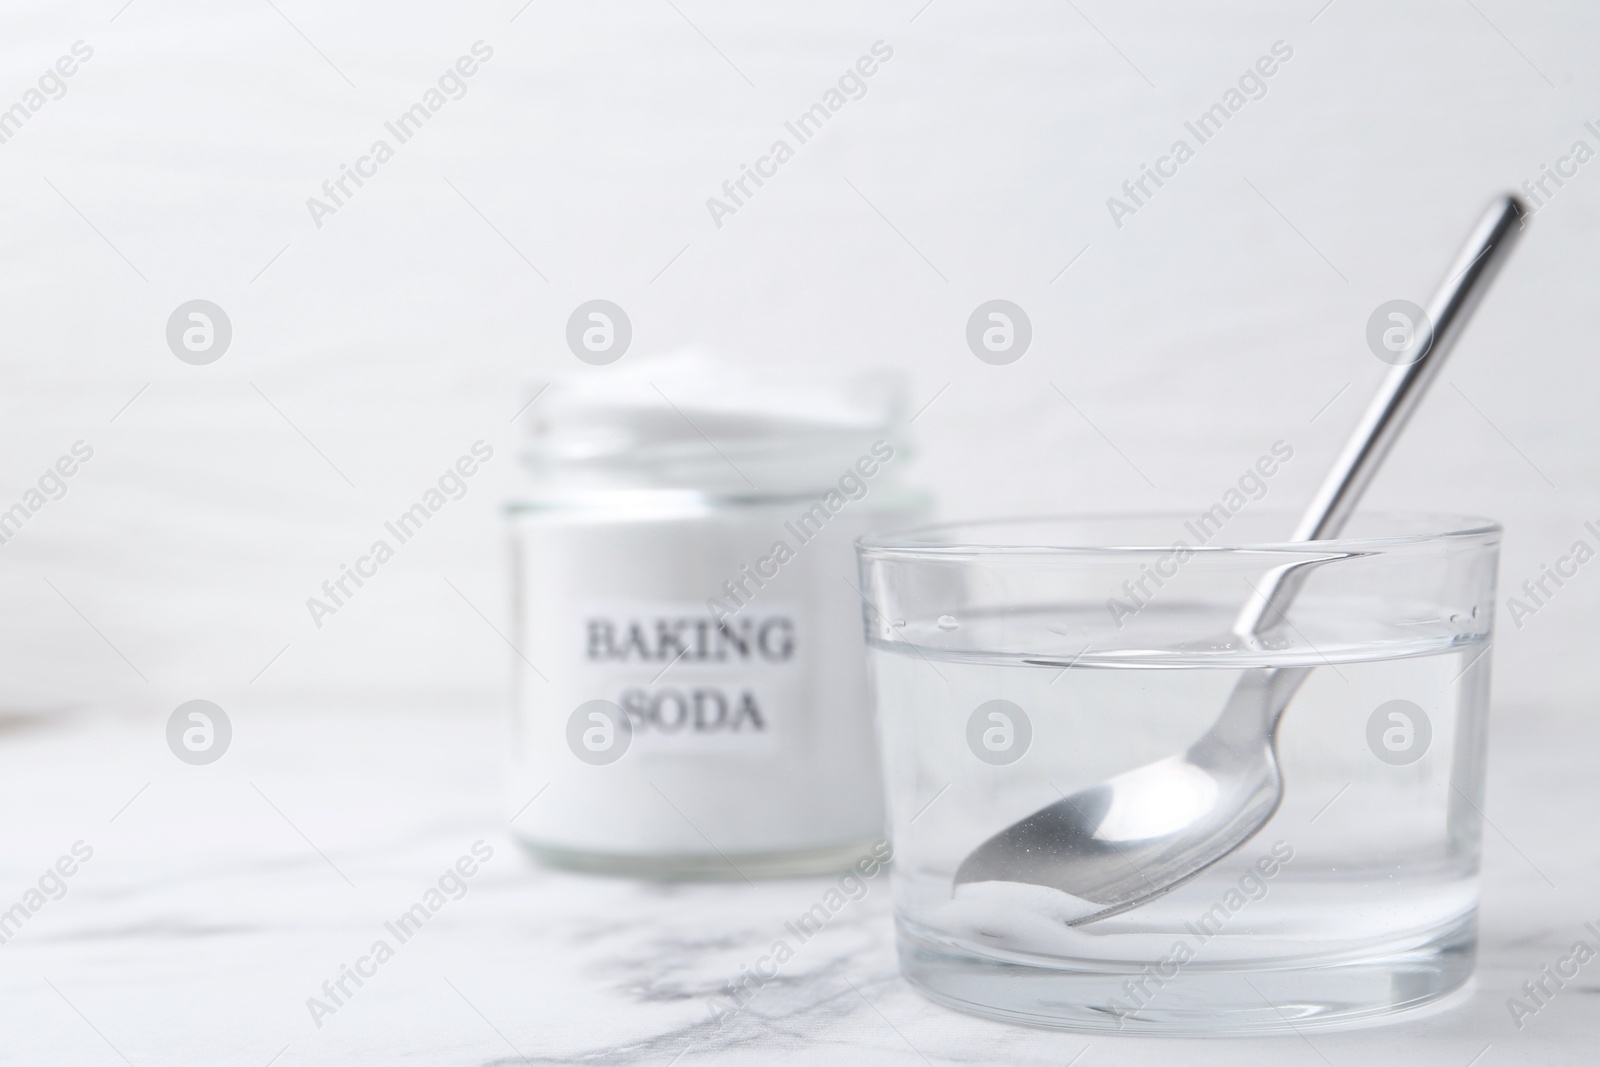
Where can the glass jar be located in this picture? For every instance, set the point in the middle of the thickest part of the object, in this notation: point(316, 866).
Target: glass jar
point(691, 696)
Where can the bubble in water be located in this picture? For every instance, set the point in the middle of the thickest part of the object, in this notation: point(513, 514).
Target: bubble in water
point(948, 622)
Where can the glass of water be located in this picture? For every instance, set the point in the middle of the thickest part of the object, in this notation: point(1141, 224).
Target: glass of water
point(1015, 663)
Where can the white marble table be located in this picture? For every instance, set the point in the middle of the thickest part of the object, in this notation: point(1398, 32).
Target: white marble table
point(219, 899)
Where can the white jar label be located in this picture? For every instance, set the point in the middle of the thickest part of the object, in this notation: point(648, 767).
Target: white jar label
point(688, 681)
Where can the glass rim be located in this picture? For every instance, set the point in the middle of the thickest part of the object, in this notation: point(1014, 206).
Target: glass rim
point(916, 542)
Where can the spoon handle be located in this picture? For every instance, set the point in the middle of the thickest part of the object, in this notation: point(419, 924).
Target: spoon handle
point(1458, 296)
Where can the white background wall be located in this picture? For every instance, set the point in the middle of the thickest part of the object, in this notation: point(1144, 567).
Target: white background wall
point(407, 327)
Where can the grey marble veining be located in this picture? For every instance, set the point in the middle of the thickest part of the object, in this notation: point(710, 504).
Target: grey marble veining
point(221, 898)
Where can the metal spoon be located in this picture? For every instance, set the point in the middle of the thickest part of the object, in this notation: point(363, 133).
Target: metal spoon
point(1130, 839)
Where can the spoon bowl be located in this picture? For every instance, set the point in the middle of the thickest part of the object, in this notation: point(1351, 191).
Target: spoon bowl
point(1123, 842)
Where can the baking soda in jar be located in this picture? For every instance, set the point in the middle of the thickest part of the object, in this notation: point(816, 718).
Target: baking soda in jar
point(691, 696)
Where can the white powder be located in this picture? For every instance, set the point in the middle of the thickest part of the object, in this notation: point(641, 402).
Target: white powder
point(1014, 915)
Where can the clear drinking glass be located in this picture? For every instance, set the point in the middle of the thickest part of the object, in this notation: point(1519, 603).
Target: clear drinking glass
point(1017, 662)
